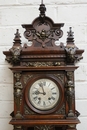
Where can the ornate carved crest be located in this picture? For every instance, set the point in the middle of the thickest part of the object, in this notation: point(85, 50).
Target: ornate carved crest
point(43, 32)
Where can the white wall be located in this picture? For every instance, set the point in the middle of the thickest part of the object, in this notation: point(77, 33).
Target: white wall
point(13, 13)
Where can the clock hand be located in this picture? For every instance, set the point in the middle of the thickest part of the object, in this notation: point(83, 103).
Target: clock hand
point(38, 92)
point(41, 85)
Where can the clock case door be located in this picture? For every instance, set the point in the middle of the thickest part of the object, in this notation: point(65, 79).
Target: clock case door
point(44, 59)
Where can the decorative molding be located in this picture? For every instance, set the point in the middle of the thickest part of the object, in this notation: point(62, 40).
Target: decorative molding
point(39, 64)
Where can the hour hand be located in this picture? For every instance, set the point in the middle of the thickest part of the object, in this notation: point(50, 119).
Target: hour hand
point(38, 92)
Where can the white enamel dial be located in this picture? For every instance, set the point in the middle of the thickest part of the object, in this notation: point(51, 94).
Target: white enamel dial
point(44, 94)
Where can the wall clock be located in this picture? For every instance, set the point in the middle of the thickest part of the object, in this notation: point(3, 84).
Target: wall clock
point(44, 86)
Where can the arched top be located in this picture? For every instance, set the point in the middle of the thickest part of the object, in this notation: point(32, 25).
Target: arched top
point(47, 19)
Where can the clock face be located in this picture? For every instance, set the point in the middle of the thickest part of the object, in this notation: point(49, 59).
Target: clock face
point(44, 94)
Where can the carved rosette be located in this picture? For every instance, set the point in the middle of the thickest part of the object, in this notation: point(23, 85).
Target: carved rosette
point(18, 94)
point(70, 93)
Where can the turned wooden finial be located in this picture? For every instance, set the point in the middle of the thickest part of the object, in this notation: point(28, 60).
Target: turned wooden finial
point(41, 1)
point(70, 37)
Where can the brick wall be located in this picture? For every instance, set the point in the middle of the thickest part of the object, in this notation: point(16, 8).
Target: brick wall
point(13, 13)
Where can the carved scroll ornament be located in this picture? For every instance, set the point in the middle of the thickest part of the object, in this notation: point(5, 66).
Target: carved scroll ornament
point(43, 36)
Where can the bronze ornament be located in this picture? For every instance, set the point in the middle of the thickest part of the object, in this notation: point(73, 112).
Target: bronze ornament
point(18, 94)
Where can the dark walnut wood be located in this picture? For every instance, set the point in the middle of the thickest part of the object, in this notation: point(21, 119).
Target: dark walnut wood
point(44, 59)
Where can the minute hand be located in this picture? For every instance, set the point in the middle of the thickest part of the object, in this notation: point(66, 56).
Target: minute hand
point(41, 85)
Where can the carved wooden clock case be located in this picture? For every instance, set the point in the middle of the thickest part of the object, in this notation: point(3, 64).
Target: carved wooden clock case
point(44, 89)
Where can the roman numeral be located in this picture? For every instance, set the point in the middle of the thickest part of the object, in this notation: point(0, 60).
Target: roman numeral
point(52, 88)
point(54, 93)
point(39, 101)
point(49, 84)
point(53, 98)
point(44, 104)
point(49, 102)
point(35, 98)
